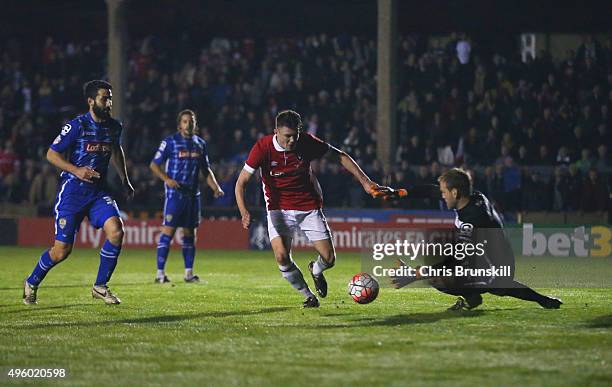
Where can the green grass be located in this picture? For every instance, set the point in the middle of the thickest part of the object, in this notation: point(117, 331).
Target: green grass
point(246, 327)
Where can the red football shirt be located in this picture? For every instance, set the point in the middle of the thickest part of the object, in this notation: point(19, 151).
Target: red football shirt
point(288, 181)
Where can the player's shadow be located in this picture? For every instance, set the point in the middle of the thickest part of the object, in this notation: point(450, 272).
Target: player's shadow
point(155, 319)
point(424, 318)
point(407, 319)
point(81, 285)
point(30, 309)
point(604, 321)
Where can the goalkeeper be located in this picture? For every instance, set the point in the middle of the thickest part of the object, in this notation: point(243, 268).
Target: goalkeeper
point(476, 222)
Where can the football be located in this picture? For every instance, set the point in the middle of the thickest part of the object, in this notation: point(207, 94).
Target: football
point(363, 288)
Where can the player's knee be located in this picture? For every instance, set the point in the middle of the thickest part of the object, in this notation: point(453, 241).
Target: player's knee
point(167, 230)
point(115, 236)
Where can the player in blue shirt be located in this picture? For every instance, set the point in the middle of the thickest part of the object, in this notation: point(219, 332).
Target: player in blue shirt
point(184, 155)
point(89, 141)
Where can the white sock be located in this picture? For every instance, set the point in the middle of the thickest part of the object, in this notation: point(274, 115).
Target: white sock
point(161, 274)
point(188, 273)
point(320, 266)
point(294, 276)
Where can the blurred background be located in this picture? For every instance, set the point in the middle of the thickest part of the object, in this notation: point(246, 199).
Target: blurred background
point(519, 93)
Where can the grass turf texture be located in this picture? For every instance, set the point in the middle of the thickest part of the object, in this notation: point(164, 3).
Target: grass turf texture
point(246, 326)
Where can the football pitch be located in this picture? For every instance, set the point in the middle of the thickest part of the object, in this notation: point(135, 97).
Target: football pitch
point(246, 326)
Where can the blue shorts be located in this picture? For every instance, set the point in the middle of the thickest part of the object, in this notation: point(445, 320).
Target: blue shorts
point(182, 211)
point(75, 201)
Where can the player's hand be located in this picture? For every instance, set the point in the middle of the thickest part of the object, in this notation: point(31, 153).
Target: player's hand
point(371, 188)
point(86, 174)
point(380, 191)
point(399, 282)
point(171, 183)
point(388, 193)
point(246, 220)
point(129, 190)
point(219, 192)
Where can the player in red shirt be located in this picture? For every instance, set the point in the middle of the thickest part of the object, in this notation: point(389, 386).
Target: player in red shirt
point(294, 199)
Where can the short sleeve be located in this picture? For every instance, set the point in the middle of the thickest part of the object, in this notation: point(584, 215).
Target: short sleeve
point(119, 133)
point(204, 162)
point(163, 152)
point(313, 147)
point(67, 137)
point(254, 161)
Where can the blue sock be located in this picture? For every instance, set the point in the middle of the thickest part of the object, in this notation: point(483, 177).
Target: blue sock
point(42, 268)
point(162, 250)
point(188, 251)
point(108, 262)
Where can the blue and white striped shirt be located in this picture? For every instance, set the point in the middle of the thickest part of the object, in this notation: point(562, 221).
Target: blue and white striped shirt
point(184, 158)
point(88, 144)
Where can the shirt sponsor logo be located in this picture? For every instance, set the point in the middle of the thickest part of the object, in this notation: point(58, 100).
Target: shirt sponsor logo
point(183, 154)
point(95, 147)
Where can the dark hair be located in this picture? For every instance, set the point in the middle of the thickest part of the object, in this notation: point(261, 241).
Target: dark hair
point(290, 119)
point(182, 113)
point(90, 89)
point(457, 178)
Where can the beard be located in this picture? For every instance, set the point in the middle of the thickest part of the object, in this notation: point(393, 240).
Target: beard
point(103, 113)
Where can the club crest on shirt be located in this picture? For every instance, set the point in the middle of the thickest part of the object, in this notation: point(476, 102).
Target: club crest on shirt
point(62, 223)
point(169, 218)
point(466, 228)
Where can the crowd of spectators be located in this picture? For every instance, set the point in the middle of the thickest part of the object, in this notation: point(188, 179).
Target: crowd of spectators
point(534, 133)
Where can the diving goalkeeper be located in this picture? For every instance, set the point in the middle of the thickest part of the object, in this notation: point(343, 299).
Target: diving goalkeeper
point(476, 222)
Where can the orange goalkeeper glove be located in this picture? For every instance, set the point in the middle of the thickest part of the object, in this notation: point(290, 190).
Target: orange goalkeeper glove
point(388, 193)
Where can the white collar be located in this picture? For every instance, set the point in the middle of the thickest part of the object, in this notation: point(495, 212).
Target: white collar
point(277, 146)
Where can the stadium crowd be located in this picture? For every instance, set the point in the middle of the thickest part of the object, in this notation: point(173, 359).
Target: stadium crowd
point(535, 134)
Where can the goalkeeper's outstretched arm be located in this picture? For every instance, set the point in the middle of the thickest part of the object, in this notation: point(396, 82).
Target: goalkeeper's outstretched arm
point(422, 191)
